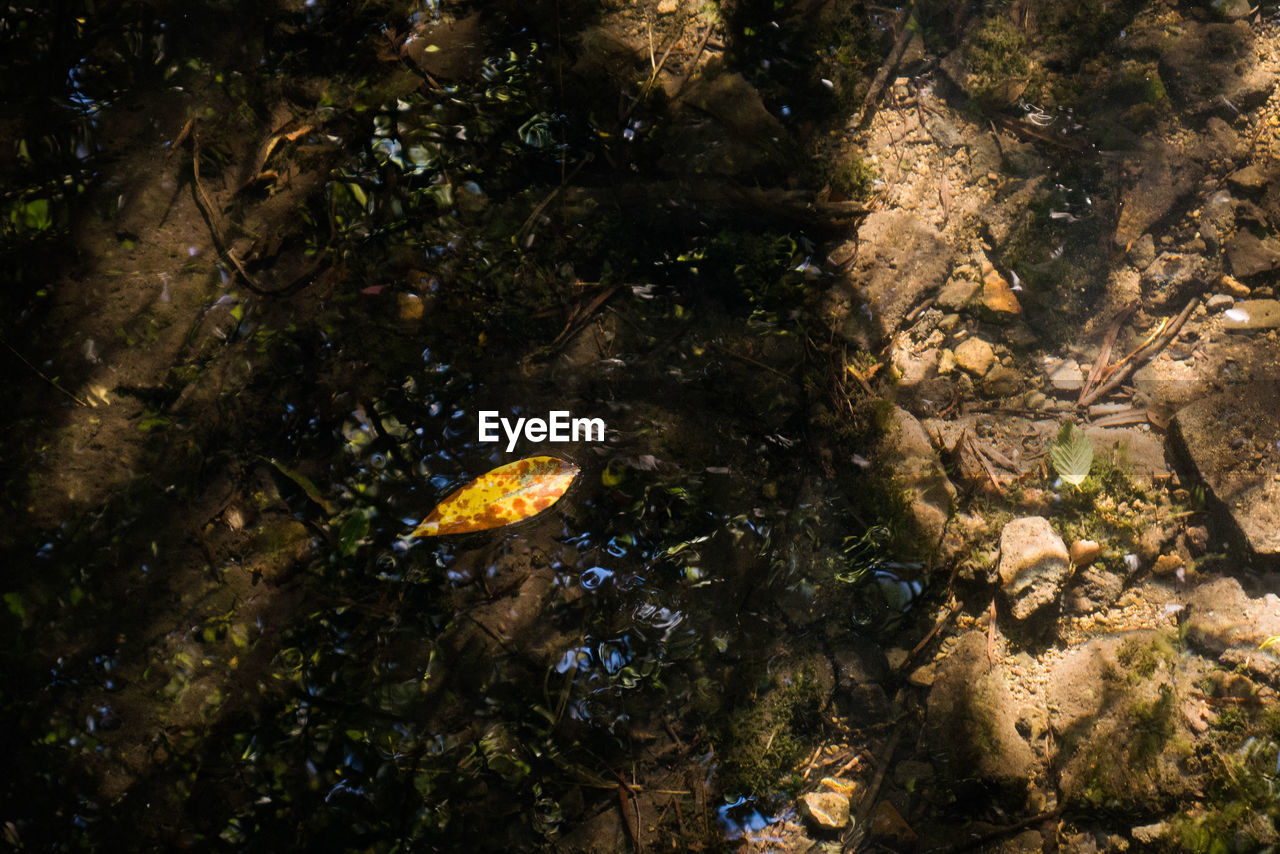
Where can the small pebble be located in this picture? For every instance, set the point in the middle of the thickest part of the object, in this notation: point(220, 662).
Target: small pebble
point(1219, 302)
point(1084, 552)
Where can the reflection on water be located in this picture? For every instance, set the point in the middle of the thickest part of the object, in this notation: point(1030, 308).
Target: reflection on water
point(309, 675)
point(740, 817)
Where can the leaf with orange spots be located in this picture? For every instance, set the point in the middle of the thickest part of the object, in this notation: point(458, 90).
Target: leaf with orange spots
point(507, 494)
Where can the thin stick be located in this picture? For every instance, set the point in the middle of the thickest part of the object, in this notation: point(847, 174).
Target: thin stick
point(750, 361)
point(858, 828)
point(991, 634)
point(206, 206)
point(882, 76)
point(955, 608)
point(653, 78)
point(688, 72)
point(42, 376)
point(537, 211)
point(986, 464)
point(1104, 355)
point(1142, 355)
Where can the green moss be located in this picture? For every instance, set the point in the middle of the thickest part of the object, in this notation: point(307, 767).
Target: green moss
point(1081, 28)
point(1111, 506)
point(1142, 656)
point(998, 62)
point(764, 740)
point(1151, 726)
point(1242, 801)
point(1122, 768)
point(854, 179)
point(1231, 720)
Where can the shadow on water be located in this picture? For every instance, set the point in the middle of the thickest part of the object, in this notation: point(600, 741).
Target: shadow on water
point(239, 649)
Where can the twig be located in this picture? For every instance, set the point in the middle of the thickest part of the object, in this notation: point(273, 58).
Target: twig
point(1141, 355)
point(1018, 128)
point(991, 633)
point(632, 822)
point(955, 608)
point(808, 766)
point(1133, 415)
point(980, 841)
point(986, 464)
point(693, 64)
point(579, 317)
point(537, 211)
point(219, 239)
point(42, 376)
point(857, 831)
point(887, 68)
point(653, 77)
point(917, 311)
point(1104, 355)
point(680, 819)
point(726, 351)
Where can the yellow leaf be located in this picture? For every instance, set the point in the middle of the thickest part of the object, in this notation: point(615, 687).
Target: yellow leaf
point(507, 494)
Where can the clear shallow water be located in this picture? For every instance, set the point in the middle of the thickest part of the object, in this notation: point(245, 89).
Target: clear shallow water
point(244, 652)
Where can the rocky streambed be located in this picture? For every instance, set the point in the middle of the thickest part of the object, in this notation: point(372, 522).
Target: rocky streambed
point(1100, 675)
point(837, 278)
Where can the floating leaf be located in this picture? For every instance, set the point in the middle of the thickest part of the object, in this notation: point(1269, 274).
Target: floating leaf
point(507, 494)
point(1071, 454)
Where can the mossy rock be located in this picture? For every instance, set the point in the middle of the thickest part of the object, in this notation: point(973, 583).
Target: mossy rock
point(764, 738)
point(1123, 743)
point(999, 67)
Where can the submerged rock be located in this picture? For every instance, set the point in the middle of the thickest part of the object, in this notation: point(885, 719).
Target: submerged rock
point(1173, 276)
point(1002, 381)
point(1165, 176)
point(1143, 251)
point(1217, 219)
point(929, 492)
point(1208, 62)
point(957, 293)
point(1221, 616)
point(1033, 564)
point(1250, 255)
point(1253, 314)
point(1066, 376)
point(901, 260)
point(1251, 179)
point(824, 811)
point(972, 719)
point(975, 356)
point(1113, 708)
point(1084, 552)
point(1231, 441)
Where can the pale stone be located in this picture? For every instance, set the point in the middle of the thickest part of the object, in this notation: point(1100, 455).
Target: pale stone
point(1228, 441)
point(957, 293)
point(825, 810)
point(1252, 314)
point(975, 356)
point(1067, 376)
point(929, 493)
point(1084, 552)
point(946, 362)
point(1033, 564)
